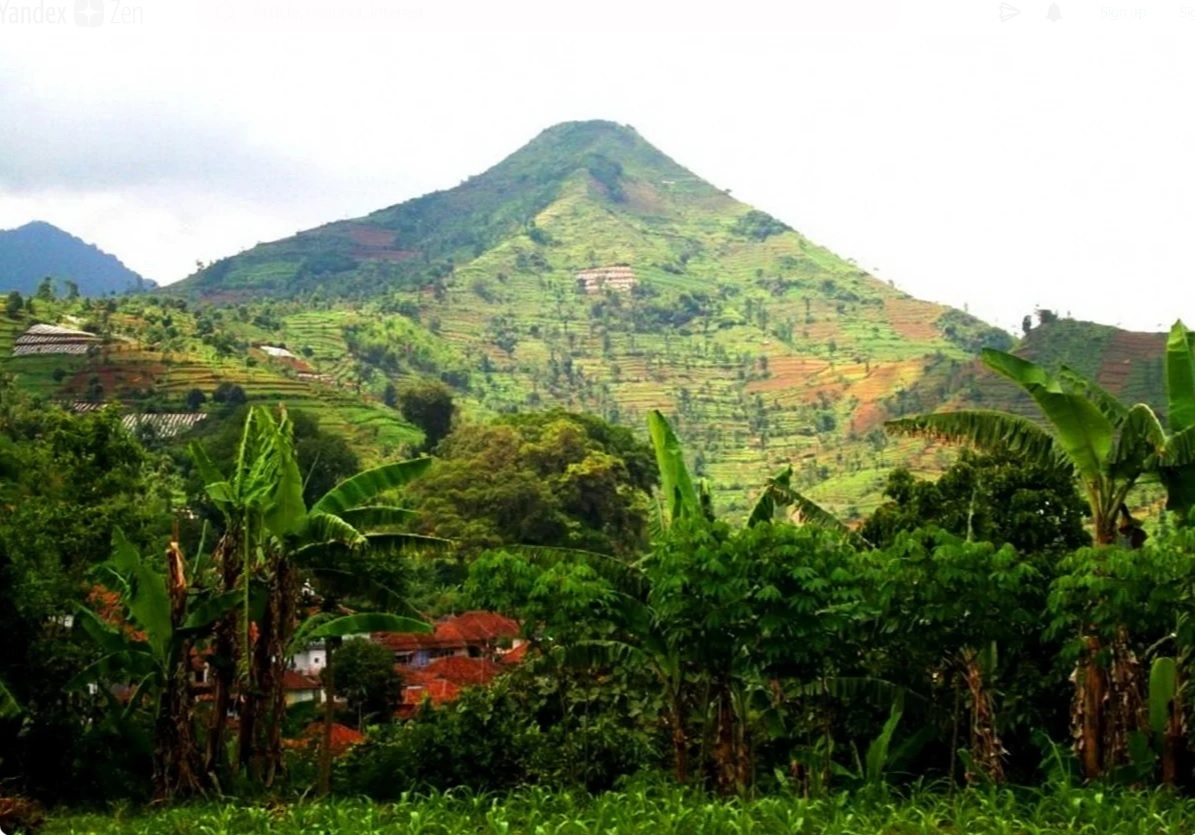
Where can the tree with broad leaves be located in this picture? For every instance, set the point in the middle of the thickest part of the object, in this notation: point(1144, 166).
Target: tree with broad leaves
point(1110, 448)
point(270, 540)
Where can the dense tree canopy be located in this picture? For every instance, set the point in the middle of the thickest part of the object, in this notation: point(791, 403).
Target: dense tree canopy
point(429, 405)
point(67, 481)
point(550, 478)
point(994, 497)
point(366, 678)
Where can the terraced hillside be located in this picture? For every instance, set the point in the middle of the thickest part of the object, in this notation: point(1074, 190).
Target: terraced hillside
point(1129, 364)
point(765, 346)
point(131, 370)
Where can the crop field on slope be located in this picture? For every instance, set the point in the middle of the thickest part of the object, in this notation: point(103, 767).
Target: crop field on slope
point(10, 329)
point(125, 372)
point(672, 812)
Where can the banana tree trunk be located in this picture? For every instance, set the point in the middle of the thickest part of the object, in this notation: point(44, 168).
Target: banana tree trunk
point(325, 754)
point(177, 763)
point(1126, 712)
point(226, 650)
point(1087, 708)
point(680, 741)
point(726, 771)
point(1173, 742)
point(732, 759)
point(273, 684)
point(987, 752)
point(1108, 704)
point(264, 698)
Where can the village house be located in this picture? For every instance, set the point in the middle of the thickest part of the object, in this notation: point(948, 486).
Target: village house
point(466, 650)
point(311, 659)
point(596, 279)
point(49, 339)
point(301, 688)
point(472, 634)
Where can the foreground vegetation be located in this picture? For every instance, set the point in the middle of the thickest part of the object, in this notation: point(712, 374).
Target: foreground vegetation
point(955, 639)
point(668, 811)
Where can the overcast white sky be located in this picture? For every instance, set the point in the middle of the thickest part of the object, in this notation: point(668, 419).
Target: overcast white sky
point(997, 165)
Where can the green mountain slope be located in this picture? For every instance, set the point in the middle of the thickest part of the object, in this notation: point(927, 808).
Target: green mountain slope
point(1127, 363)
point(765, 346)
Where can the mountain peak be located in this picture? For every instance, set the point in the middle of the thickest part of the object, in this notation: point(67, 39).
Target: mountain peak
point(594, 127)
point(41, 227)
point(568, 147)
point(581, 134)
point(39, 249)
point(597, 169)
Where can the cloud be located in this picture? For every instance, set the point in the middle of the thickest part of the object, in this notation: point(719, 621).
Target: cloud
point(84, 145)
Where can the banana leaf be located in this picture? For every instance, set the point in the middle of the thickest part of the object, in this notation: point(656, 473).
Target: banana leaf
point(367, 623)
point(676, 485)
point(1180, 379)
point(987, 430)
point(9, 707)
point(368, 485)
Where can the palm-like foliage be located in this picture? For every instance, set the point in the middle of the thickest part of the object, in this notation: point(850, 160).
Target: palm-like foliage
point(1110, 446)
point(156, 657)
point(681, 498)
point(780, 499)
point(660, 646)
point(1175, 462)
point(9, 706)
point(270, 536)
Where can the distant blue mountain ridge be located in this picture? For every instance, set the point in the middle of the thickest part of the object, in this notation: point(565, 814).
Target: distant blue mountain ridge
point(31, 252)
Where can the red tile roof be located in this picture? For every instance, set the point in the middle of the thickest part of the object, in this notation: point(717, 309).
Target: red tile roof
point(443, 679)
point(463, 671)
point(487, 626)
point(343, 738)
point(470, 629)
point(515, 656)
point(438, 690)
point(292, 680)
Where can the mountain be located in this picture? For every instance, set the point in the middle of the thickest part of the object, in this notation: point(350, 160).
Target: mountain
point(1129, 364)
point(38, 249)
point(590, 270)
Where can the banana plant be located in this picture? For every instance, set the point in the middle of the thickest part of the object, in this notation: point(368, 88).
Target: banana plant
point(271, 537)
point(1111, 447)
point(780, 500)
point(1175, 469)
point(166, 618)
point(648, 644)
point(678, 494)
point(682, 498)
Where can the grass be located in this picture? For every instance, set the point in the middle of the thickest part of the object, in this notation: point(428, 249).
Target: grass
point(669, 810)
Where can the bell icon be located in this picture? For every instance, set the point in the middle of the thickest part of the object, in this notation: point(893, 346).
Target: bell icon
point(1054, 14)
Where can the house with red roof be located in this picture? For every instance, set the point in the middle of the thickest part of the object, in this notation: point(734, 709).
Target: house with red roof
point(466, 650)
point(300, 688)
point(471, 634)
